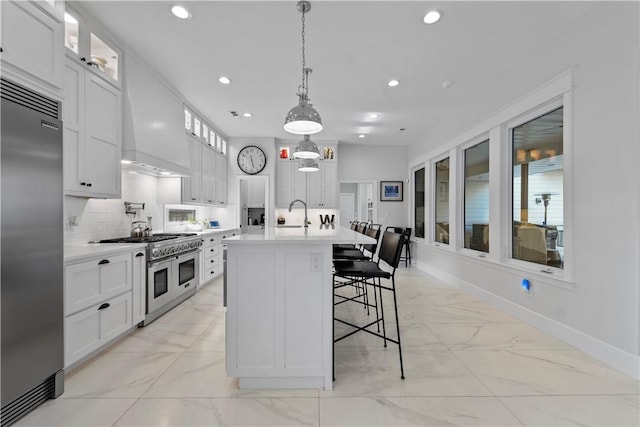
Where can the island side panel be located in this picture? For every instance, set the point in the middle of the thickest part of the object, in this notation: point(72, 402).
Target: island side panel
point(279, 309)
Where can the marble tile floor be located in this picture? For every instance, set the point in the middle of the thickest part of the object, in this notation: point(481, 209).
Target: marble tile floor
point(466, 363)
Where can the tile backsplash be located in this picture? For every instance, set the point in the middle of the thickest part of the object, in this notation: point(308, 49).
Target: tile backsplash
point(87, 220)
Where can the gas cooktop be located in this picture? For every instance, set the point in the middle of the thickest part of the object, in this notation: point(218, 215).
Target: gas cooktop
point(148, 239)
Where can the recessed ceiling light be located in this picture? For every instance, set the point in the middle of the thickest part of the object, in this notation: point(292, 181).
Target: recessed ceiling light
point(70, 19)
point(432, 16)
point(224, 80)
point(247, 115)
point(374, 115)
point(126, 162)
point(180, 12)
point(361, 136)
point(393, 83)
point(165, 173)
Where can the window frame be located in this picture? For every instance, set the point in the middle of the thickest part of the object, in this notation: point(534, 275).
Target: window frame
point(415, 169)
point(452, 195)
point(565, 273)
point(460, 213)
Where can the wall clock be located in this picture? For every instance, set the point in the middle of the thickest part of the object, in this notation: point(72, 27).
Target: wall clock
point(251, 160)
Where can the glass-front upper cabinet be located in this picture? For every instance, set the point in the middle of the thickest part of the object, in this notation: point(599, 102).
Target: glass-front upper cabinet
point(205, 133)
point(96, 51)
point(224, 147)
point(328, 152)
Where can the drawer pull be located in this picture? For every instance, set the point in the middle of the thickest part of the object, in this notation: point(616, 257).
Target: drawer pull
point(103, 306)
point(104, 261)
point(187, 285)
point(139, 254)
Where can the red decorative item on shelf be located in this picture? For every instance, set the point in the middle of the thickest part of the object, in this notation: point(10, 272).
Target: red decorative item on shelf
point(284, 153)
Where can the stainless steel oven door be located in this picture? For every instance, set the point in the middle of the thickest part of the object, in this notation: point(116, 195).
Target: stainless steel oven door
point(187, 272)
point(160, 283)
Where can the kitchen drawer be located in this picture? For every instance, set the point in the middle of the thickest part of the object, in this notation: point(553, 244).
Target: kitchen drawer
point(95, 281)
point(211, 252)
point(211, 240)
point(96, 326)
point(212, 269)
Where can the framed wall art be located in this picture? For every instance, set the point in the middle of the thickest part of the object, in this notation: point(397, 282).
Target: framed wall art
point(390, 191)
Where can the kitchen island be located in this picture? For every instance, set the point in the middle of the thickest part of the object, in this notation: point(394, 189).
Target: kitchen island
point(280, 306)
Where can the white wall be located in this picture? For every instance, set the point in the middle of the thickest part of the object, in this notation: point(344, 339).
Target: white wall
point(375, 163)
point(598, 310)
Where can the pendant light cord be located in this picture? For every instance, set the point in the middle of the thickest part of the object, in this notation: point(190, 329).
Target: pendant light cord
point(305, 75)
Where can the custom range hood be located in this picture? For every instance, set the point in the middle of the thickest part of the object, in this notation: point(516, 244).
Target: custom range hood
point(154, 139)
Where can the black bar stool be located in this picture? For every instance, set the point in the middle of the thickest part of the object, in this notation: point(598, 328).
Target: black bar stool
point(369, 273)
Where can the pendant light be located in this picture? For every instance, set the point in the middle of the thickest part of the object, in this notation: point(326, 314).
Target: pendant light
point(308, 165)
point(306, 149)
point(303, 119)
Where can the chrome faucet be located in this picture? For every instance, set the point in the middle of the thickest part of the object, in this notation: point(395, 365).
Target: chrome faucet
point(306, 222)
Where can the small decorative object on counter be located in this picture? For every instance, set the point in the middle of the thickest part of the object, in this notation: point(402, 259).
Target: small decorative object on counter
point(214, 224)
point(281, 220)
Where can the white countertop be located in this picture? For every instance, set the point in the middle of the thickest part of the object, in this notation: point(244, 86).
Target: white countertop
point(89, 251)
point(214, 230)
point(313, 234)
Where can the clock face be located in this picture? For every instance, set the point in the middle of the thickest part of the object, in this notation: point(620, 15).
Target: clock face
point(251, 160)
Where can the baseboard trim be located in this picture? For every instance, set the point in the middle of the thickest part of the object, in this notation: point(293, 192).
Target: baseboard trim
point(621, 360)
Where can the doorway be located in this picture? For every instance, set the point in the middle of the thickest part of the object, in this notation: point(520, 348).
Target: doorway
point(357, 202)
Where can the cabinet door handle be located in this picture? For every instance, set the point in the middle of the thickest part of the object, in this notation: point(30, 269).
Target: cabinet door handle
point(103, 306)
point(83, 183)
point(83, 59)
point(187, 285)
point(88, 184)
point(139, 254)
point(104, 261)
point(193, 198)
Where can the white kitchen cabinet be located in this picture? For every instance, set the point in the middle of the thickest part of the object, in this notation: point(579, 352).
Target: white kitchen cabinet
point(211, 261)
point(138, 286)
point(92, 48)
point(92, 134)
point(208, 175)
point(32, 45)
point(95, 326)
point(212, 257)
point(192, 185)
point(221, 179)
point(252, 193)
point(88, 283)
point(104, 297)
point(291, 184)
point(207, 183)
point(322, 186)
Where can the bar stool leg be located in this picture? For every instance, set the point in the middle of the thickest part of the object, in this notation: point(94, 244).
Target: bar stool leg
point(384, 329)
point(395, 306)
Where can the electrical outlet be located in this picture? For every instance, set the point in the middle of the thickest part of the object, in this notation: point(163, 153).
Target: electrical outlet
point(315, 262)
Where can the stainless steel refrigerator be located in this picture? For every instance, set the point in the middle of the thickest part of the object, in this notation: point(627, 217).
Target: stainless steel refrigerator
point(31, 284)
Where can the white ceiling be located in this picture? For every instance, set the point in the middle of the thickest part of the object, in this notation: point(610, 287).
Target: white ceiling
point(354, 48)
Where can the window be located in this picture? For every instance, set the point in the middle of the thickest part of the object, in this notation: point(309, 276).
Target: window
point(476, 197)
point(537, 179)
point(418, 214)
point(441, 202)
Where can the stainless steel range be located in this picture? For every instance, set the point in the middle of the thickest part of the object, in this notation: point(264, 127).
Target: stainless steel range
point(173, 265)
